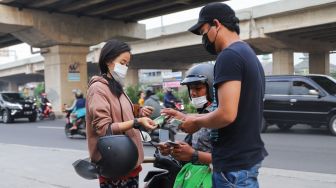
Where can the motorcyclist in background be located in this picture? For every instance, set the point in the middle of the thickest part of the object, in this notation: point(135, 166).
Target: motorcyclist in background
point(69, 109)
point(44, 101)
point(77, 109)
point(169, 98)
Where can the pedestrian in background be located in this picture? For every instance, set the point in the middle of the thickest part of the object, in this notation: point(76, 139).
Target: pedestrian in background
point(153, 101)
point(141, 100)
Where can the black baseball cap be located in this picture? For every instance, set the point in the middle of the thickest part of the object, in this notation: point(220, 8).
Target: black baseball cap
point(211, 11)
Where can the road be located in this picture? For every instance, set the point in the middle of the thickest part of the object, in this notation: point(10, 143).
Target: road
point(301, 148)
point(36, 155)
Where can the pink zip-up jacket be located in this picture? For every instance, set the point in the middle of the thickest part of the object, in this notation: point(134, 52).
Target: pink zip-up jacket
point(101, 107)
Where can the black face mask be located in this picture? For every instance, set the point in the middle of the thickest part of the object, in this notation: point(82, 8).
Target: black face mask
point(209, 46)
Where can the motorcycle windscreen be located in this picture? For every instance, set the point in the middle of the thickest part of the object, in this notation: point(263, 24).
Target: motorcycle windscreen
point(85, 169)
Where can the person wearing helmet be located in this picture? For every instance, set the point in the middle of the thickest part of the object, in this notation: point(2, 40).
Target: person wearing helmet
point(44, 101)
point(110, 111)
point(169, 98)
point(78, 111)
point(75, 92)
point(196, 148)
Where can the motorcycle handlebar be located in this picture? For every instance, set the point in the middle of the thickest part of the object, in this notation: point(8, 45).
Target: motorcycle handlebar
point(149, 160)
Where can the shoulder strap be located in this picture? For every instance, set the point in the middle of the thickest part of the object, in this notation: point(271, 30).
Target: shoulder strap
point(109, 130)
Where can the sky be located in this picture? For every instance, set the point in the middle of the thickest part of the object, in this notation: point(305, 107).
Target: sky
point(193, 13)
point(22, 51)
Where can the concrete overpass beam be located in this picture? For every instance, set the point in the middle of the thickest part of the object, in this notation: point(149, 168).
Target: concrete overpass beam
point(29, 69)
point(65, 70)
point(319, 63)
point(42, 29)
point(283, 61)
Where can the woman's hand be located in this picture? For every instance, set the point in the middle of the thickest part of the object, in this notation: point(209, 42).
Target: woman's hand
point(147, 123)
point(146, 111)
point(164, 149)
point(183, 152)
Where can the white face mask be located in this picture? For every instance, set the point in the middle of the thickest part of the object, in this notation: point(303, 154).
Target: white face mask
point(199, 102)
point(120, 69)
point(119, 73)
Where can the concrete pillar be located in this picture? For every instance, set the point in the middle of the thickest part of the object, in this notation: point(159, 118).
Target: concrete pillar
point(3, 86)
point(12, 86)
point(283, 61)
point(183, 88)
point(132, 77)
point(319, 63)
point(65, 70)
point(183, 71)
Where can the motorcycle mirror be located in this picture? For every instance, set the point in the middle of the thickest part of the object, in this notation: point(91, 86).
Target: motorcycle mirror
point(85, 169)
point(145, 137)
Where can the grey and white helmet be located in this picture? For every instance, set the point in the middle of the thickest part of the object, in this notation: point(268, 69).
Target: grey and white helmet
point(201, 73)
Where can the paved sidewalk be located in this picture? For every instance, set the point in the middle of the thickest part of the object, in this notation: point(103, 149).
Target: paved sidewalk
point(38, 167)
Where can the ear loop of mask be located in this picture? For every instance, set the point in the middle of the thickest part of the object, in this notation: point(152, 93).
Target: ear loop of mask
point(211, 25)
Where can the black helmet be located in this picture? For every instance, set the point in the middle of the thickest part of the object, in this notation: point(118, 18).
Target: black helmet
point(119, 156)
point(201, 73)
point(86, 169)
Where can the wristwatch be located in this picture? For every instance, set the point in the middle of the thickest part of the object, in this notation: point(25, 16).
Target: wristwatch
point(194, 157)
point(136, 124)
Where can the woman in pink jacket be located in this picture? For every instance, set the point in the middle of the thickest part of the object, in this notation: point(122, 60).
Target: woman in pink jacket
point(108, 105)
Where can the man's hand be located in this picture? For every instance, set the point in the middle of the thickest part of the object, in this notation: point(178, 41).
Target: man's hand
point(164, 149)
point(183, 152)
point(189, 125)
point(146, 111)
point(173, 113)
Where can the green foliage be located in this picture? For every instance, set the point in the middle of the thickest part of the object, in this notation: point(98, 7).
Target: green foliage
point(160, 94)
point(189, 108)
point(132, 92)
point(37, 93)
point(39, 89)
point(333, 74)
point(184, 96)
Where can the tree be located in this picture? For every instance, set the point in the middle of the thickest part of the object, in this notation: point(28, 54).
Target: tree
point(133, 92)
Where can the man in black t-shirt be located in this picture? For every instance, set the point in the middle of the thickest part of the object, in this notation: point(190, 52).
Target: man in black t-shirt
point(239, 84)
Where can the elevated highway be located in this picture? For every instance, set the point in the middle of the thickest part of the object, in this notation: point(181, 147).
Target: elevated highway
point(68, 28)
point(280, 28)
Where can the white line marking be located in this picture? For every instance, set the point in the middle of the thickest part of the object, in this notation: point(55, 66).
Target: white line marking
point(47, 127)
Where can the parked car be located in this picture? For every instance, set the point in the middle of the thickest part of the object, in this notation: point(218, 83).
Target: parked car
point(294, 99)
point(14, 105)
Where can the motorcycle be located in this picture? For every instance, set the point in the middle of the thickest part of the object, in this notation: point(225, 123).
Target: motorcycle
point(81, 126)
point(178, 105)
point(163, 178)
point(47, 112)
point(175, 104)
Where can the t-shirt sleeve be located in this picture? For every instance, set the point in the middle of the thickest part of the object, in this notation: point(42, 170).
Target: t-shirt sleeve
point(228, 67)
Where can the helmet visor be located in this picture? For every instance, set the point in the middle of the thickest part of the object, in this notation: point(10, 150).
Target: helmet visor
point(193, 79)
